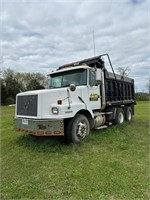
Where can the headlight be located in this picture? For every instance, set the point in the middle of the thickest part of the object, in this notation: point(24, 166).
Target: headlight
point(55, 110)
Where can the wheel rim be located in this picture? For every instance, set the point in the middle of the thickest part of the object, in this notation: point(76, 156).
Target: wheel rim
point(81, 130)
point(121, 118)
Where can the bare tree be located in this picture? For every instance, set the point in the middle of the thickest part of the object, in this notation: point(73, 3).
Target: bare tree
point(124, 71)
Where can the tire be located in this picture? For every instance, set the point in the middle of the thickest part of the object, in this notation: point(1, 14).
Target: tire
point(128, 114)
point(78, 128)
point(119, 116)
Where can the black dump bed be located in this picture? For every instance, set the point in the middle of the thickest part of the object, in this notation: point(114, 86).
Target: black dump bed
point(118, 89)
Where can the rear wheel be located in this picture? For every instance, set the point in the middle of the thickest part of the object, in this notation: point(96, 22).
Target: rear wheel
point(119, 116)
point(78, 128)
point(128, 113)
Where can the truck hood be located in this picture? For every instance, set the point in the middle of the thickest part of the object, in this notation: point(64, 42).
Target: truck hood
point(32, 92)
point(39, 103)
point(51, 96)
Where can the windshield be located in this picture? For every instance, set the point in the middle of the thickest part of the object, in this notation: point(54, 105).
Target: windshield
point(64, 79)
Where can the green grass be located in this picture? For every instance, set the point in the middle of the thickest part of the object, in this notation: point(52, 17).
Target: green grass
point(110, 164)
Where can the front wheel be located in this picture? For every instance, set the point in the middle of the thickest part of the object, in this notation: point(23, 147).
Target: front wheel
point(78, 128)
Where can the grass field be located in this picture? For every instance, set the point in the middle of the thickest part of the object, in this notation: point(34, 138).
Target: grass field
point(110, 164)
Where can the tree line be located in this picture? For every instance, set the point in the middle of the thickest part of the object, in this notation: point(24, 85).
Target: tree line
point(142, 96)
point(13, 83)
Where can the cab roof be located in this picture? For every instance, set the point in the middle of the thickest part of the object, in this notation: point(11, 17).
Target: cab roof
point(69, 68)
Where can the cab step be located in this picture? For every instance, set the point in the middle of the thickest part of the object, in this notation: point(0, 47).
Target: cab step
point(101, 127)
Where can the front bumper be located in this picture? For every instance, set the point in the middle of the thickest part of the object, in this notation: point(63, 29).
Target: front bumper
point(39, 127)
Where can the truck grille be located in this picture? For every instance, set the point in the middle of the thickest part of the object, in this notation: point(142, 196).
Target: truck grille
point(27, 105)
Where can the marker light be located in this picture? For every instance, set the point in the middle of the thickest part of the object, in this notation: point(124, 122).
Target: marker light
point(57, 132)
point(40, 132)
point(59, 102)
point(48, 132)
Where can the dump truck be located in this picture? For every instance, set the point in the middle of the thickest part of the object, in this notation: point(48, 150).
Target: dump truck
point(81, 96)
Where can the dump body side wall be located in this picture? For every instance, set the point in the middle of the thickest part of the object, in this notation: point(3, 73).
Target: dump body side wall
point(119, 90)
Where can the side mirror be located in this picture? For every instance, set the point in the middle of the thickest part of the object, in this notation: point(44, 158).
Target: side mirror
point(72, 87)
point(98, 74)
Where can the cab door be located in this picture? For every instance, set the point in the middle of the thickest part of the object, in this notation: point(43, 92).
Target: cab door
point(94, 99)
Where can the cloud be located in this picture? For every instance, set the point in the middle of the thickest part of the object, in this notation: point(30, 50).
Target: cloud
point(39, 36)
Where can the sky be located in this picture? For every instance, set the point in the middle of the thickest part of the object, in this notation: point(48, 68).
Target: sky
point(41, 35)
